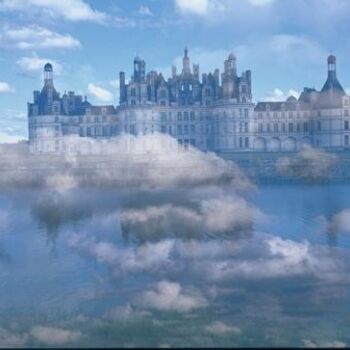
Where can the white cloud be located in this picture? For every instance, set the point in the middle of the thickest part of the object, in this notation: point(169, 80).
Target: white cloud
point(307, 343)
point(71, 10)
point(54, 336)
point(145, 155)
point(198, 7)
point(10, 339)
point(214, 7)
point(123, 313)
point(100, 93)
point(260, 2)
point(5, 87)
point(35, 37)
point(278, 95)
point(339, 222)
point(217, 215)
point(169, 296)
point(147, 257)
point(221, 328)
point(145, 11)
point(32, 65)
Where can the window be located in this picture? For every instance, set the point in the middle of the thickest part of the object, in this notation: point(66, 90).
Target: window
point(290, 127)
point(163, 116)
point(318, 126)
point(298, 127)
point(260, 127)
point(246, 112)
point(346, 125)
point(246, 127)
point(185, 116)
point(186, 129)
point(305, 127)
point(283, 127)
point(105, 131)
point(346, 140)
point(268, 128)
point(346, 113)
point(192, 116)
point(246, 142)
point(207, 92)
point(193, 129)
point(133, 92)
point(179, 116)
point(275, 127)
point(163, 129)
point(179, 130)
point(240, 142)
point(162, 93)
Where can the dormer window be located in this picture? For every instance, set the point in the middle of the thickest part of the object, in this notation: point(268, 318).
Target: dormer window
point(283, 107)
point(268, 107)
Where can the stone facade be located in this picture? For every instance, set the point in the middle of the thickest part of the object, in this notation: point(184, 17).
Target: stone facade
point(212, 113)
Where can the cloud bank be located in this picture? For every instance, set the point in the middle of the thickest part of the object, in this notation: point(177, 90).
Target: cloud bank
point(124, 161)
point(310, 164)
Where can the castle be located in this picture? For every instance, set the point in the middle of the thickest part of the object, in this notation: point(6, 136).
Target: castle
point(213, 112)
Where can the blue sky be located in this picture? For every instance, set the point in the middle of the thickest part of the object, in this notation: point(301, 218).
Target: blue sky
point(284, 42)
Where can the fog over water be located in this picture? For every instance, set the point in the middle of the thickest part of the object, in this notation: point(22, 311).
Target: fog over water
point(206, 263)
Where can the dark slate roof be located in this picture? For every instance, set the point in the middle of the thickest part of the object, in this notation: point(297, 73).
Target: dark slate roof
point(290, 105)
point(98, 109)
point(332, 84)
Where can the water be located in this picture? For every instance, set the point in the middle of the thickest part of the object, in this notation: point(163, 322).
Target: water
point(203, 266)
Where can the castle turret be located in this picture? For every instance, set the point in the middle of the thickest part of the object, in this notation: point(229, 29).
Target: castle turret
point(48, 74)
point(332, 84)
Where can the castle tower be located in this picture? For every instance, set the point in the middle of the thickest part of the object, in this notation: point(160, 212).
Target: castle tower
point(139, 69)
point(229, 77)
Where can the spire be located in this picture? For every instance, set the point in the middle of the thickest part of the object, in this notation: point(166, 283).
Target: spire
point(186, 67)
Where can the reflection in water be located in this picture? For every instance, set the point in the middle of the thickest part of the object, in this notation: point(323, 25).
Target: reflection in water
point(53, 211)
point(176, 267)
